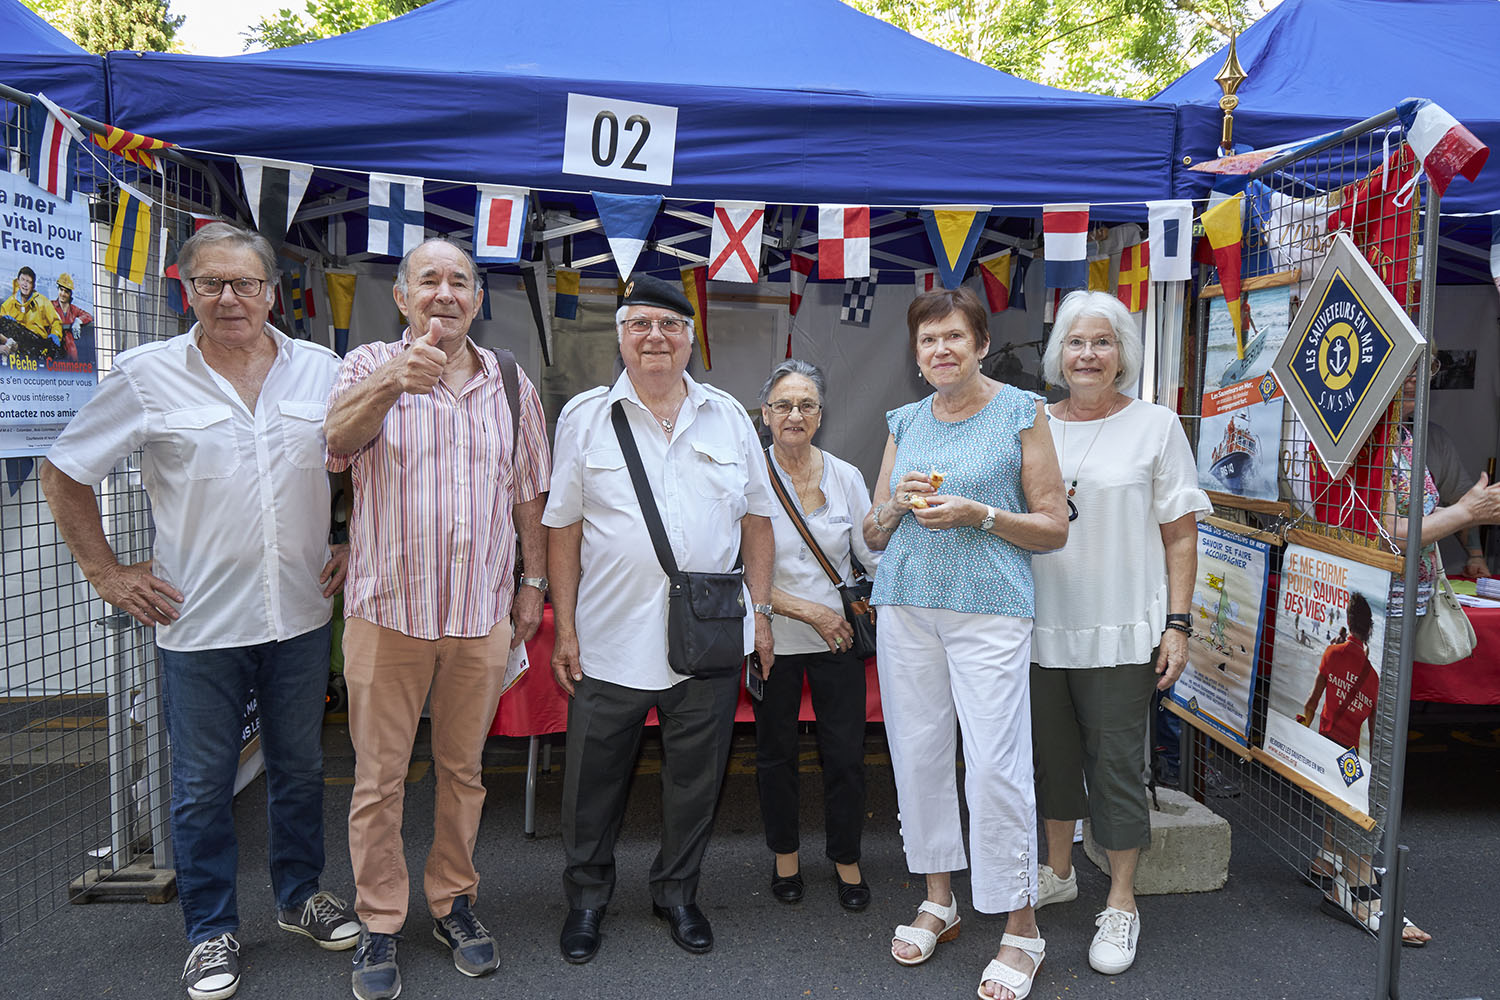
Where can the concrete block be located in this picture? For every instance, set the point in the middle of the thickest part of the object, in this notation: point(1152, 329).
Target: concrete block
point(1189, 849)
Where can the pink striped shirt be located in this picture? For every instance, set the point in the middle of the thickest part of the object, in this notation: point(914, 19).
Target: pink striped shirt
point(432, 540)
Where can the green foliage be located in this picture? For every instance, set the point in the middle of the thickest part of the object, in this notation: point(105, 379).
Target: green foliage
point(324, 19)
point(1128, 48)
point(101, 26)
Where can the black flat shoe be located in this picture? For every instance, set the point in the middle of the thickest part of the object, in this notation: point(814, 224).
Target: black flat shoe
point(787, 888)
point(690, 928)
point(579, 940)
point(853, 896)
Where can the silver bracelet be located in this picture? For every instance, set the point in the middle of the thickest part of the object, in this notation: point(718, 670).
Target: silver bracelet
point(875, 515)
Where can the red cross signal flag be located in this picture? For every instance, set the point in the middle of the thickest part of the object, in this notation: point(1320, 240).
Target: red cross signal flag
point(734, 247)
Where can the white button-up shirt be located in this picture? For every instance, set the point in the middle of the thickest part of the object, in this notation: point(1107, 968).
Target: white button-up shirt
point(240, 499)
point(705, 478)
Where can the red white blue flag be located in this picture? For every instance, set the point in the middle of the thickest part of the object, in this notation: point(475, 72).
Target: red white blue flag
point(1445, 147)
point(52, 154)
point(843, 242)
point(499, 224)
point(1065, 237)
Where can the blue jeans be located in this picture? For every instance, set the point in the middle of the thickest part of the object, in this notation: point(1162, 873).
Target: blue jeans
point(205, 692)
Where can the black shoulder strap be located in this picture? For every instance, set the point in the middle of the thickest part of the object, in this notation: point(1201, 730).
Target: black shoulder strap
point(642, 489)
point(784, 496)
point(511, 380)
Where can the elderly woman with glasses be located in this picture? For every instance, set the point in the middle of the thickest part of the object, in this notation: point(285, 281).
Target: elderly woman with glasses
point(1112, 619)
point(968, 490)
point(812, 638)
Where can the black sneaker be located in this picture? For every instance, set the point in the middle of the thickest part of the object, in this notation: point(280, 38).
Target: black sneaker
point(474, 950)
point(212, 971)
point(376, 976)
point(326, 919)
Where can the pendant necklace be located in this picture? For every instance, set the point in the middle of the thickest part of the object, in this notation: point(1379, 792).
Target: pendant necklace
point(1073, 486)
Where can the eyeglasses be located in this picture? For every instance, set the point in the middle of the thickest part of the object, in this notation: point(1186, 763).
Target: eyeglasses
point(784, 406)
point(668, 325)
point(1102, 345)
point(245, 288)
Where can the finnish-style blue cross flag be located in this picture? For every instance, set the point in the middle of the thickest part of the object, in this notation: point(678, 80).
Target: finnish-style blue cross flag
point(396, 214)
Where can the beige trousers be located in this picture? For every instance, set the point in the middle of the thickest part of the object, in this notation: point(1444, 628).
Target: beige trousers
point(389, 676)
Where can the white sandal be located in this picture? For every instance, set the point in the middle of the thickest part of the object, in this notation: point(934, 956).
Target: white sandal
point(925, 941)
point(1013, 979)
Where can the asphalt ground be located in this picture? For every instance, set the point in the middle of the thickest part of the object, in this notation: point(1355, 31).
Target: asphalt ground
point(1262, 935)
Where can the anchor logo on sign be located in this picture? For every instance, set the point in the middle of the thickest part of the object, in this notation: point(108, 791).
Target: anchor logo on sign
point(1338, 356)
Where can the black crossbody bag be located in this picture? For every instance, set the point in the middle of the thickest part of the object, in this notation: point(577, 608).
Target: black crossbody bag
point(858, 610)
point(705, 611)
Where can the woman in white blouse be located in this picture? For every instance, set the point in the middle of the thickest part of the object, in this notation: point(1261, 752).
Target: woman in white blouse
point(1112, 605)
point(812, 639)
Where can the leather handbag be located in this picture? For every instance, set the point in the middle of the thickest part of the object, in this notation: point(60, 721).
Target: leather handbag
point(705, 611)
point(1444, 633)
point(858, 611)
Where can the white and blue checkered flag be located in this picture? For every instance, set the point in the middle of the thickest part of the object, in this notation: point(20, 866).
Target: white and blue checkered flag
point(396, 214)
point(859, 301)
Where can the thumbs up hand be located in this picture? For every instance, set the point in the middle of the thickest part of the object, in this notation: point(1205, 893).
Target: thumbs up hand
point(422, 364)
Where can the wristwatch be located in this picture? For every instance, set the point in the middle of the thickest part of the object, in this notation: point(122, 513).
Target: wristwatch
point(763, 609)
point(989, 519)
point(539, 582)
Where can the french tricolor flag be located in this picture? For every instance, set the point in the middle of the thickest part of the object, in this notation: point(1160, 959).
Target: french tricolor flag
point(51, 155)
point(1065, 236)
point(1445, 147)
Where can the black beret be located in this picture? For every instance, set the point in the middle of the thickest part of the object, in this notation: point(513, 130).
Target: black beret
point(645, 290)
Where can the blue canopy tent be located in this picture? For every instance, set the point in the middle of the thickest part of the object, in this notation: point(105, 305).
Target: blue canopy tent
point(1319, 65)
point(37, 58)
point(784, 101)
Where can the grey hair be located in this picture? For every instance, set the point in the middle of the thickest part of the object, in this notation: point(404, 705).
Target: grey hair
point(624, 311)
point(794, 366)
point(222, 232)
point(403, 270)
point(1075, 307)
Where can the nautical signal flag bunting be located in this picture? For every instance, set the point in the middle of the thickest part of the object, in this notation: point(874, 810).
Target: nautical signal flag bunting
point(397, 214)
point(51, 151)
point(734, 243)
point(954, 233)
point(1444, 146)
point(1135, 276)
point(499, 224)
point(843, 242)
point(995, 270)
point(1065, 235)
point(130, 237)
point(1225, 232)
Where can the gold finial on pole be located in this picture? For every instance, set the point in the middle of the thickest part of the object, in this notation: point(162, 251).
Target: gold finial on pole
point(1229, 78)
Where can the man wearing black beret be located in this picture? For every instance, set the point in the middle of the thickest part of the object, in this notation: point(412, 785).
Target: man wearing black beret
point(702, 459)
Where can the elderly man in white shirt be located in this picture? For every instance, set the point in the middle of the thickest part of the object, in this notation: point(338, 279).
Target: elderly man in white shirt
point(230, 419)
point(703, 461)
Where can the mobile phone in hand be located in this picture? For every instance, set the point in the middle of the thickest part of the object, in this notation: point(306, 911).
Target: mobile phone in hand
point(754, 682)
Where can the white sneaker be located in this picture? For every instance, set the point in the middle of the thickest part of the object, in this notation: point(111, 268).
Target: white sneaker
point(1051, 889)
point(1113, 950)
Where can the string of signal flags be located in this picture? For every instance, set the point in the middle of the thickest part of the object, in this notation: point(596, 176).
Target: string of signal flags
point(396, 215)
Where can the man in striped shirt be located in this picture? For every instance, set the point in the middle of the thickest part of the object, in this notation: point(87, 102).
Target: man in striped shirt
point(443, 484)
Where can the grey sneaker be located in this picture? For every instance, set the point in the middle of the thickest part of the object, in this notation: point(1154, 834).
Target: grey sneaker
point(212, 971)
point(1052, 889)
point(326, 919)
point(376, 976)
point(474, 950)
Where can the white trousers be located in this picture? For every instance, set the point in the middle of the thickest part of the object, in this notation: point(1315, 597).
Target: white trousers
point(937, 668)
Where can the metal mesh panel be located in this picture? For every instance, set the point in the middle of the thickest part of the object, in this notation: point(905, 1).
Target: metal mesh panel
point(1369, 184)
point(83, 776)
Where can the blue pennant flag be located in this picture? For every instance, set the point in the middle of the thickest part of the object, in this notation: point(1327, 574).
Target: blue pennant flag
point(954, 233)
point(1018, 283)
point(627, 220)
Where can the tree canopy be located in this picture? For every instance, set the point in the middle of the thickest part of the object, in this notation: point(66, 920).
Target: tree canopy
point(324, 19)
point(100, 26)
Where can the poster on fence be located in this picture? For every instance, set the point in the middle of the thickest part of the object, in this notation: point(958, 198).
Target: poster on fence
point(1325, 682)
point(1229, 600)
point(47, 351)
point(1239, 439)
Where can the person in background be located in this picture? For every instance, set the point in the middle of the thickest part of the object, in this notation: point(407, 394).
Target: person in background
point(239, 584)
point(1112, 607)
point(444, 483)
point(813, 640)
point(32, 309)
point(968, 490)
point(68, 314)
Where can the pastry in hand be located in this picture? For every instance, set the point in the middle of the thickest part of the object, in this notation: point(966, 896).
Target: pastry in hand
point(935, 478)
point(918, 503)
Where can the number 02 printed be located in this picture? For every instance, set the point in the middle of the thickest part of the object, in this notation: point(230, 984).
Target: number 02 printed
point(623, 140)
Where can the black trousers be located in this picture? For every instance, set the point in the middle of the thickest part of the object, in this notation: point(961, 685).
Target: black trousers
point(605, 722)
point(837, 682)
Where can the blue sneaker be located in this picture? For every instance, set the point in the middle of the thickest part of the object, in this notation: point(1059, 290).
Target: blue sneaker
point(474, 950)
point(376, 976)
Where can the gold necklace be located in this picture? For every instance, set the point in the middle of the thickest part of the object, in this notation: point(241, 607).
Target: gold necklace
point(1063, 451)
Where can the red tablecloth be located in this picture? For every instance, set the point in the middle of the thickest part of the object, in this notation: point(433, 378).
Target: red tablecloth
point(1471, 681)
point(536, 705)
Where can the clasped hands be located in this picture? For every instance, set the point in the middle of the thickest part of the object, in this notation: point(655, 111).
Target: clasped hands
point(917, 492)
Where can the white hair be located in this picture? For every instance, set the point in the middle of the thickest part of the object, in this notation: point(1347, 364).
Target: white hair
point(1105, 306)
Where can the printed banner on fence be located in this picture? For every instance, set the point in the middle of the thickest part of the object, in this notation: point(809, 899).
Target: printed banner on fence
point(1229, 599)
point(1329, 645)
point(47, 350)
